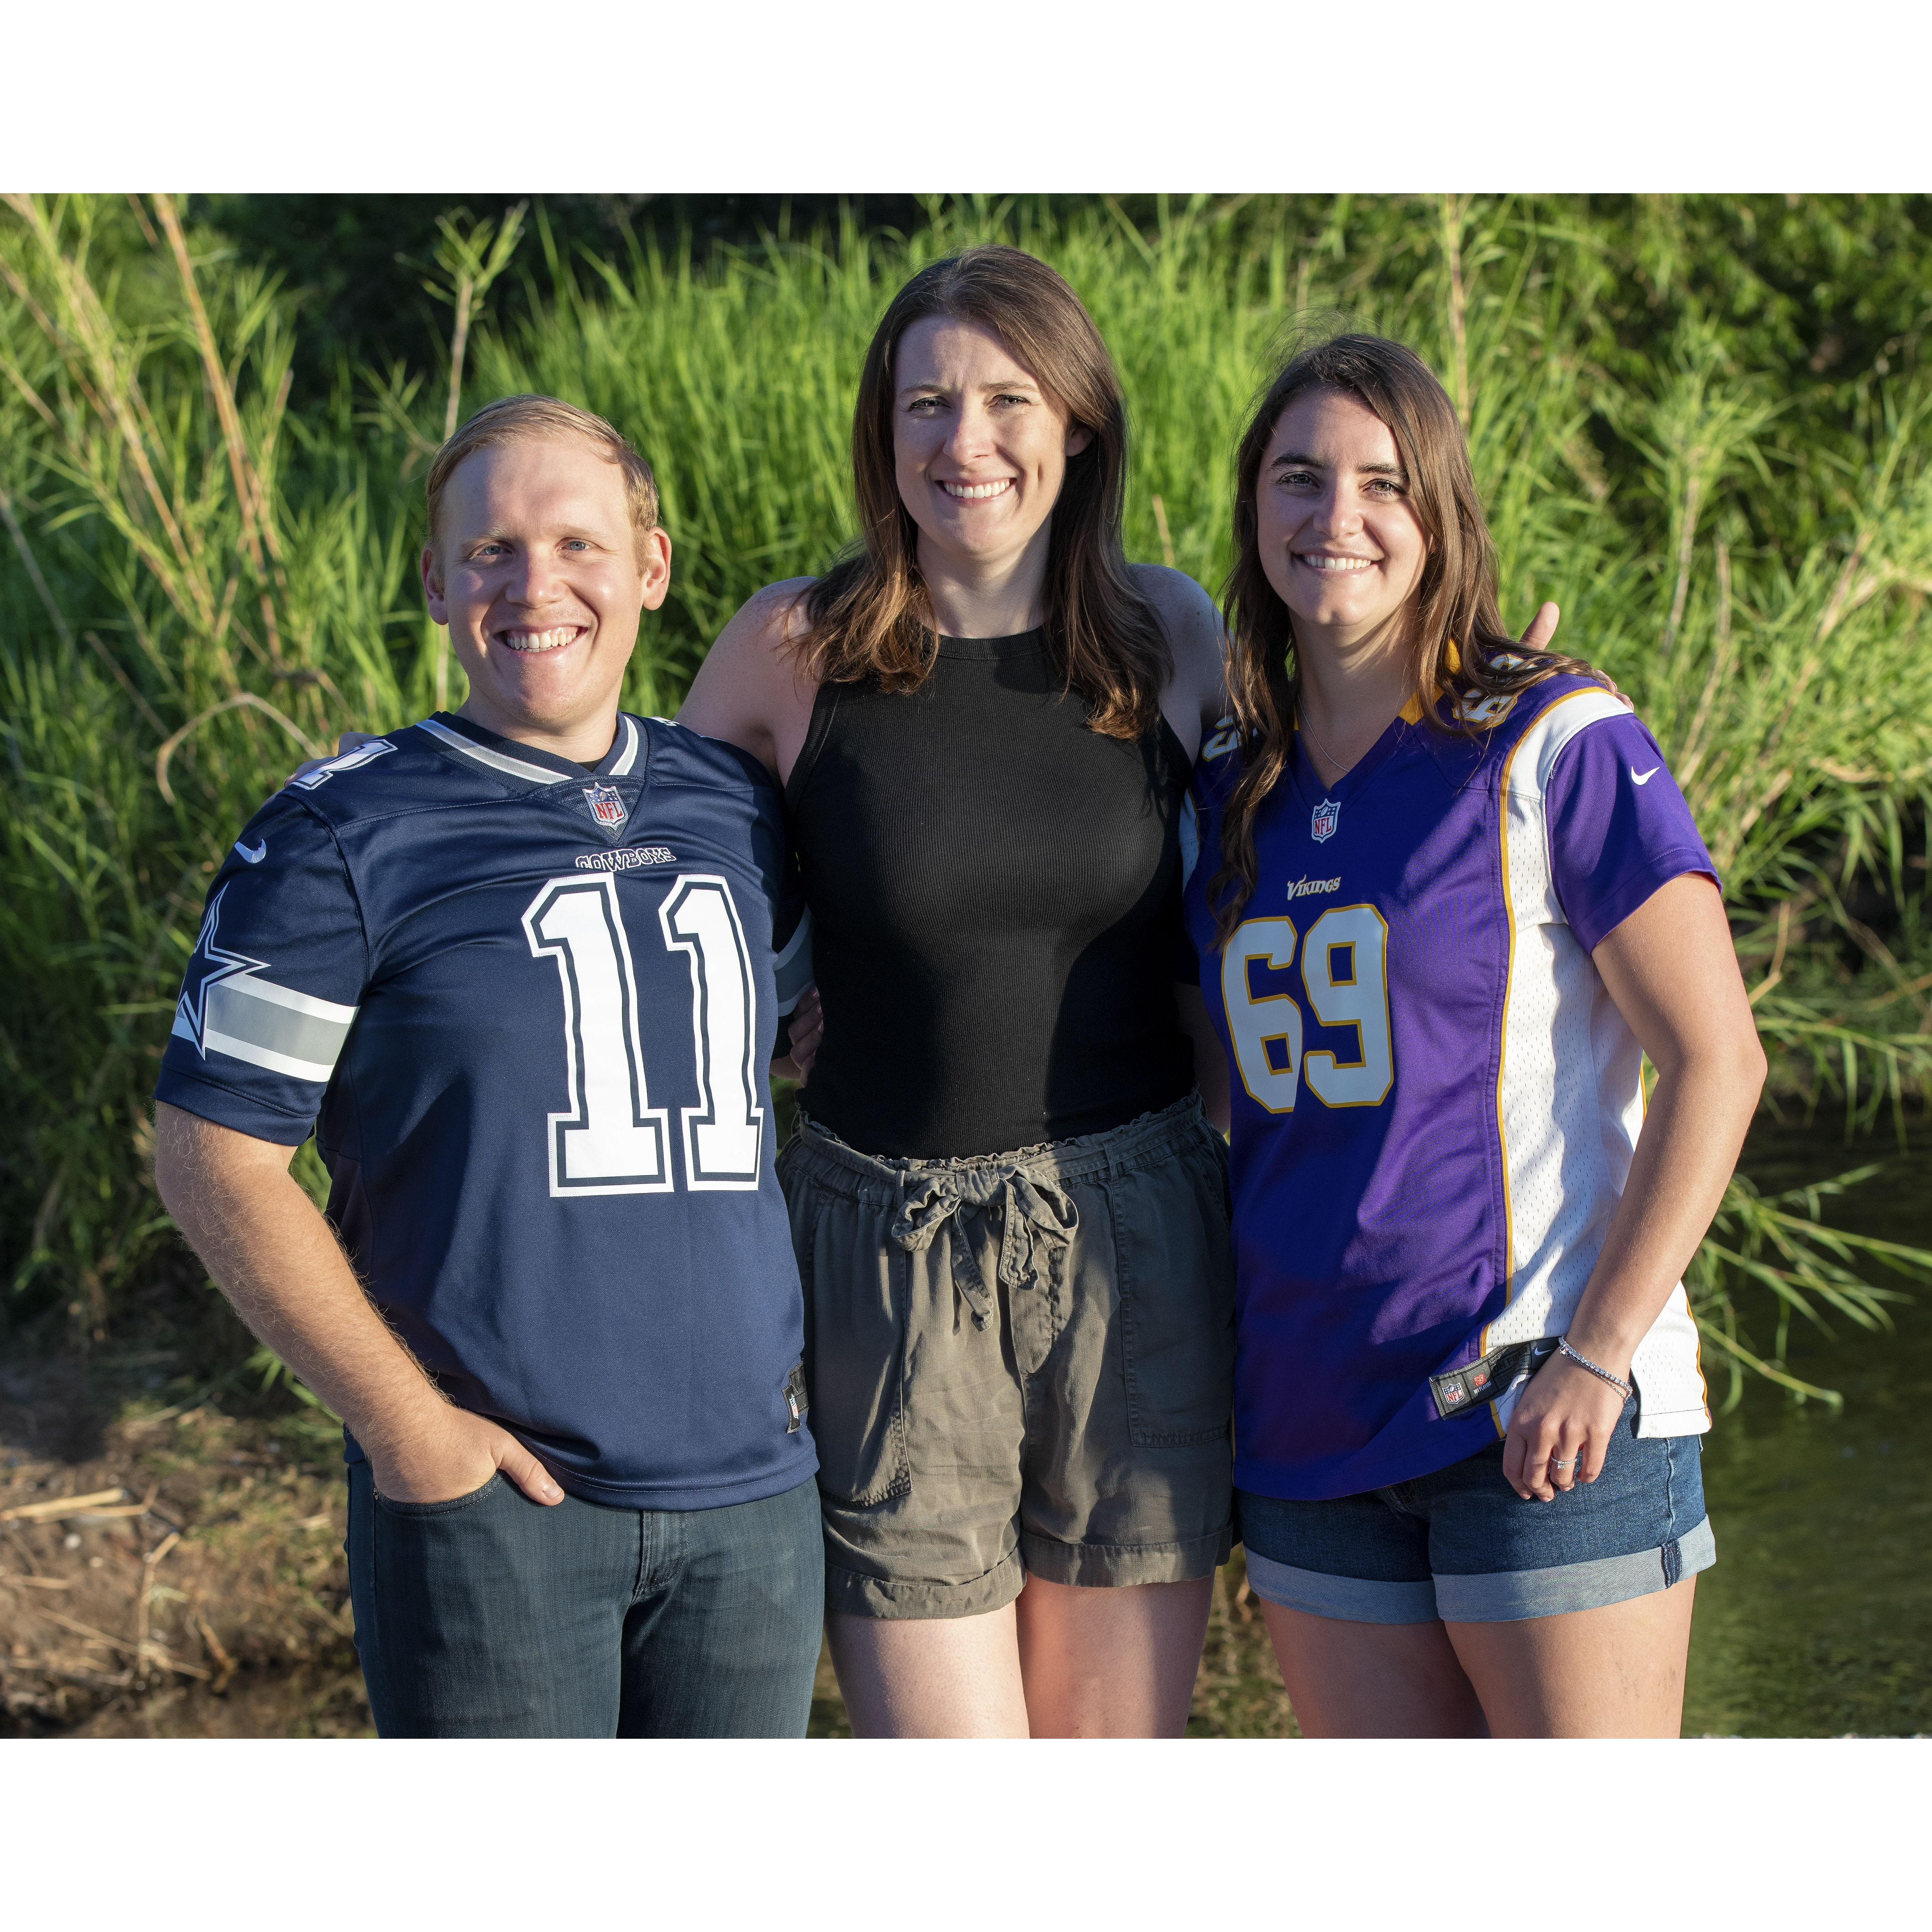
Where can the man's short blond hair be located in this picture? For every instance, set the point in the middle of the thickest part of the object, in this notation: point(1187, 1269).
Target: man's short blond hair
point(520, 418)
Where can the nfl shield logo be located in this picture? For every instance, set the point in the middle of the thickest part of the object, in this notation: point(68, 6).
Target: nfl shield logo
point(1321, 826)
point(607, 805)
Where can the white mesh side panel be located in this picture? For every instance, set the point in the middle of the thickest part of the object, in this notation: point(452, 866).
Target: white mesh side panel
point(1564, 1164)
point(1671, 1400)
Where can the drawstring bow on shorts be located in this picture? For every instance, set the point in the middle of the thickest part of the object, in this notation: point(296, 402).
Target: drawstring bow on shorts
point(1039, 1219)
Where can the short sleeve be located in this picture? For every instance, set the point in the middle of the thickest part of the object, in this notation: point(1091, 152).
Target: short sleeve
point(274, 984)
point(792, 962)
point(1619, 828)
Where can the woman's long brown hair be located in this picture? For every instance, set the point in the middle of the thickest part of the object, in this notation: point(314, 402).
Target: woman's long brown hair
point(1458, 645)
point(869, 616)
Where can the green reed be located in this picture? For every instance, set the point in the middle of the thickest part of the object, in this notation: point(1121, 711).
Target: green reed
point(203, 587)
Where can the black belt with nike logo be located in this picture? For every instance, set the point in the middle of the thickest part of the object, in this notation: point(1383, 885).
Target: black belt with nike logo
point(1461, 1390)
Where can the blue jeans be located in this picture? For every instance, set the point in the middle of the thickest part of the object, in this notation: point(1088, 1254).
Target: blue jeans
point(494, 1616)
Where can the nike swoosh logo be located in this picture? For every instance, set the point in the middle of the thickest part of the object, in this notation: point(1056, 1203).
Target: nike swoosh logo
point(1636, 777)
point(255, 854)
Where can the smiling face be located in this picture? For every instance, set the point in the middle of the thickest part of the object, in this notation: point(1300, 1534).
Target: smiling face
point(1339, 540)
point(541, 577)
point(980, 449)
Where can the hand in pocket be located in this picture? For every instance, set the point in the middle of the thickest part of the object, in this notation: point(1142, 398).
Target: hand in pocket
point(454, 1455)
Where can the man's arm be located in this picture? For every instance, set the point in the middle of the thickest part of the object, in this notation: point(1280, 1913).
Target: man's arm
point(277, 1261)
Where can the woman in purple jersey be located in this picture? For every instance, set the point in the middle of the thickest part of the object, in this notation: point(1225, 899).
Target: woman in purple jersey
point(1448, 898)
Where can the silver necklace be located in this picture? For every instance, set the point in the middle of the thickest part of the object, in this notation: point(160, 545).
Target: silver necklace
point(1321, 745)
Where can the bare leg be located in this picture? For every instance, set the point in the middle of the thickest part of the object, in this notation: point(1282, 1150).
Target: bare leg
point(1613, 1673)
point(1350, 1680)
point(1111, 1663)
point(939, 1677)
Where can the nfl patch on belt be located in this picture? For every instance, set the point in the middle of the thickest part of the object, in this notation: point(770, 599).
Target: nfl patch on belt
point(1458, 1390)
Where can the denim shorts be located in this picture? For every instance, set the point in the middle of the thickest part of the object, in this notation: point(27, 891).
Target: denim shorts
point(1461, 1546)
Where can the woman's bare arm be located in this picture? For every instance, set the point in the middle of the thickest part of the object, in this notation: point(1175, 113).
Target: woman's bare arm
point(1196, 696)
point(752, 690)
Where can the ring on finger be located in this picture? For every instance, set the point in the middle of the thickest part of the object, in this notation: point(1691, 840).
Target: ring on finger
point(1556, 1465)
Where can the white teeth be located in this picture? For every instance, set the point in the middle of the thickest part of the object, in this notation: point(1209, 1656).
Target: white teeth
point(1337, 563)
point(977, 493)
point(540, 640)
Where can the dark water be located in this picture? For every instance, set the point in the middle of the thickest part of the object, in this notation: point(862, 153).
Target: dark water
point(1817, 1619)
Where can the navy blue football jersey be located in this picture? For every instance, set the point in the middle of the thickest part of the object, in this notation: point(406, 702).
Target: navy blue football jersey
point(526, 1008)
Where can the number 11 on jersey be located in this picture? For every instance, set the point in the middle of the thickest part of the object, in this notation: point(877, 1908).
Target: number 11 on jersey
point(613, 1141)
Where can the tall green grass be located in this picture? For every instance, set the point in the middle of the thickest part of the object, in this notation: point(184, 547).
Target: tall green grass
point(202, 586)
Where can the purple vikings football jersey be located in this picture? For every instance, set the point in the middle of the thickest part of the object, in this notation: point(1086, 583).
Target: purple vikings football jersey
point(527, 1007)
point(1434, 1099)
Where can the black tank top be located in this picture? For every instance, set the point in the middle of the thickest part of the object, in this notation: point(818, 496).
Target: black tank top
point(995, 893)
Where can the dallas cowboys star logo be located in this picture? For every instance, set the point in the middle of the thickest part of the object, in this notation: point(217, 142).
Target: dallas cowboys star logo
point(207, 966)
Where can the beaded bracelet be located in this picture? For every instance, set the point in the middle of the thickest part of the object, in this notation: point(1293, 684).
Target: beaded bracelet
point(1617, 1382)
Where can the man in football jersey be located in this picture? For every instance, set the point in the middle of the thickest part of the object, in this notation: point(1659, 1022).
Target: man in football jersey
point(520, 968)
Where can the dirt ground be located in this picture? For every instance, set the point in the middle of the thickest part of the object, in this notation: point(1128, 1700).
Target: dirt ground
point(177, 1571)
point(167, 1571)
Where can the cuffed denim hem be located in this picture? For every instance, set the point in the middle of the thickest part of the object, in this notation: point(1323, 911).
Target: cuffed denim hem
point(1501, 1596)
point(1118, 1565)
point(1354, 1600)
point(1509, 1596)
point(853, 1594)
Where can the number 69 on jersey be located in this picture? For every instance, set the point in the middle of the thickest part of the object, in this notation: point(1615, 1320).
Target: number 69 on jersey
point(1344, 962)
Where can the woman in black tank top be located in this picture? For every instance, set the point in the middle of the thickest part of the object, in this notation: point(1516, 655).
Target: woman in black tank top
point(1010, 1215)
point(995, 910)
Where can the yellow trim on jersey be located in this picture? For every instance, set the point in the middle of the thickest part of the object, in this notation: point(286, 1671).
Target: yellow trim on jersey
point(1410, 713)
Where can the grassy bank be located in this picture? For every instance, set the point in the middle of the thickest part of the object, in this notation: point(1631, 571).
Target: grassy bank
point(1699, 425)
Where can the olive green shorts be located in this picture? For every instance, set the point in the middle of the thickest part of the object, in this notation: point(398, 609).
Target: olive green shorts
point(1018, 1364)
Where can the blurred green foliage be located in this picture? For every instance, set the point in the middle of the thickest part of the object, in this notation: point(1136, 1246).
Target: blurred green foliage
point(1699, 422)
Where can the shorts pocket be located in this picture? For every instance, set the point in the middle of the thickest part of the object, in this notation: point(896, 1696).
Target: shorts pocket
point(1175, 1275)
point(856, 1290)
